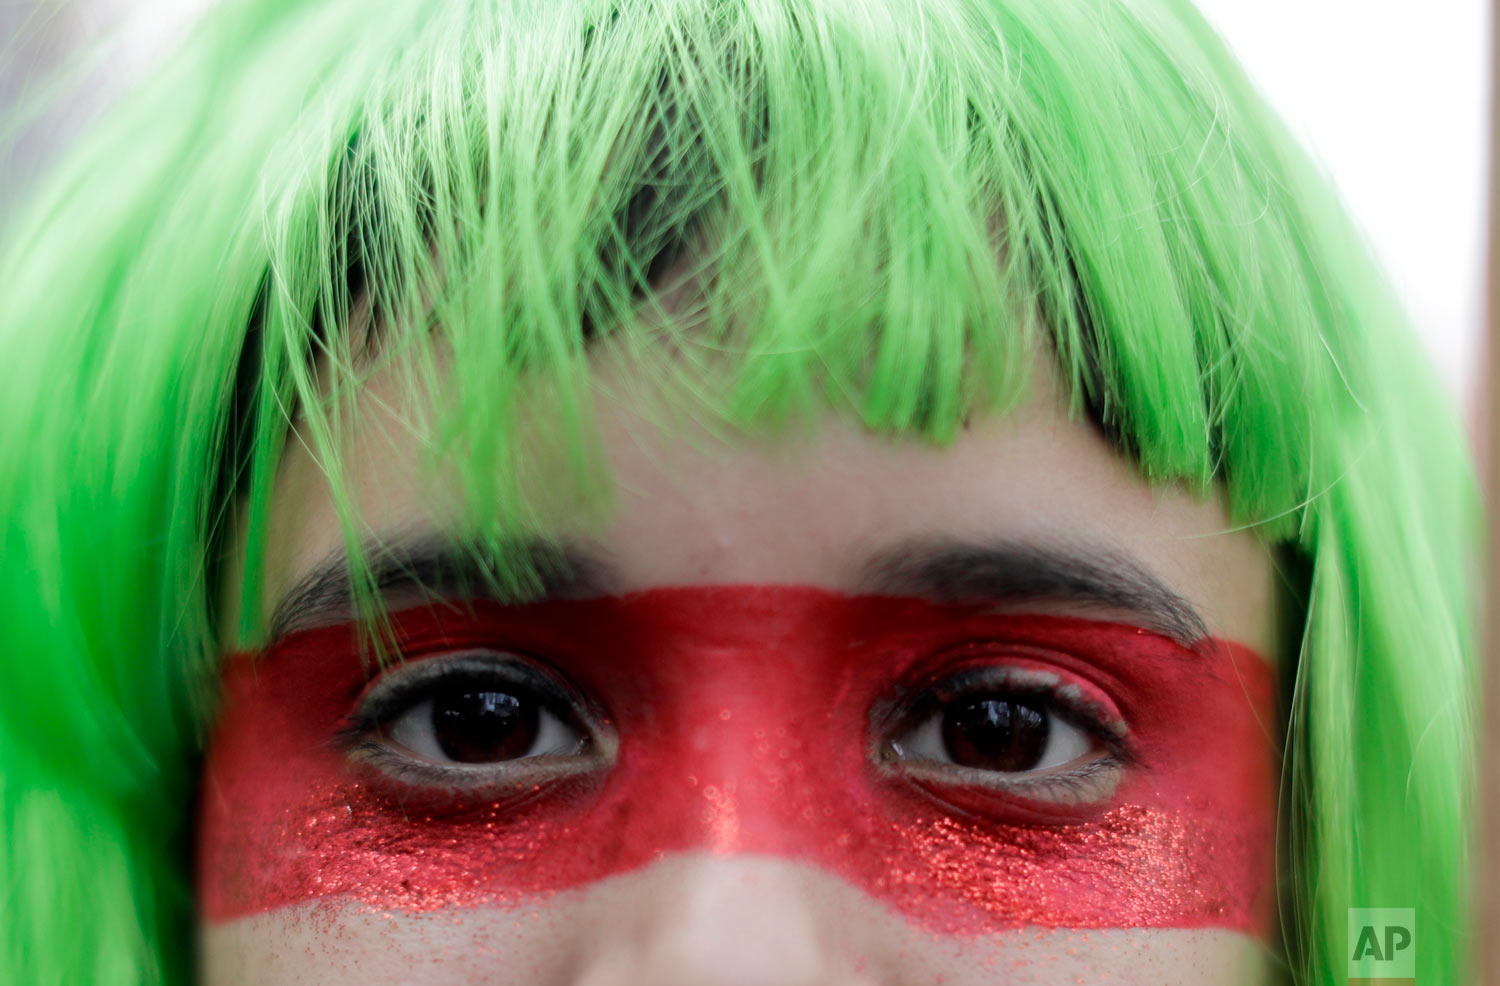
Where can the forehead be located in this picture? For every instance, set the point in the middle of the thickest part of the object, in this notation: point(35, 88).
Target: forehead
point(809, 504)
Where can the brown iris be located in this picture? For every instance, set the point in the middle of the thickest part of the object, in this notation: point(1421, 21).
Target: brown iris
point(479, 726)
point(996, 732)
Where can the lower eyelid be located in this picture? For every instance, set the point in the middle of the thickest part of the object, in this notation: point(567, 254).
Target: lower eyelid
point(412, 788)
point(383, 755)
point(1051, 799)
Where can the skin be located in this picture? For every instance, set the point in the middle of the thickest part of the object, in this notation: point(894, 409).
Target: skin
point(800, 509)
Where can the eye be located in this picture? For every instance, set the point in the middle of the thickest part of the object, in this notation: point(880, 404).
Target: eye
point(476, 721)
point(997, 731)
point(465, 718)
point(1018, 730)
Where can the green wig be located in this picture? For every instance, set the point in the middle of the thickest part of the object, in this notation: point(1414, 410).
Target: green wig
point(873, 206)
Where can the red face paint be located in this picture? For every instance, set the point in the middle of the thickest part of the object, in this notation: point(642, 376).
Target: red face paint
point(756, 719)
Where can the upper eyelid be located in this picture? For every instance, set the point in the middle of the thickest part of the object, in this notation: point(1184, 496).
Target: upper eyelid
point(1057, 691)
point(516, 669)
point(394, 688)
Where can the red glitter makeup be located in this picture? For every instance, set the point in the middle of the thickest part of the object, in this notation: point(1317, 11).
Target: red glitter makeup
point(757, 719)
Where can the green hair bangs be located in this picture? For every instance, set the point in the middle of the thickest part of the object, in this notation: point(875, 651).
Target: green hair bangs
point(776, 206)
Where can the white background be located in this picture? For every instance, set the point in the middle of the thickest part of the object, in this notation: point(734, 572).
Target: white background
point(1392, 96)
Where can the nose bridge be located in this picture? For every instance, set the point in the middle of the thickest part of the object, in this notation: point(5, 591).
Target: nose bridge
point(699, 919)
point(727, 784)
point(746, 750)
point(723, 764)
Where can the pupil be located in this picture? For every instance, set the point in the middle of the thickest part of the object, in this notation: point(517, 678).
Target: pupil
point(483, 727)
point(994, 733)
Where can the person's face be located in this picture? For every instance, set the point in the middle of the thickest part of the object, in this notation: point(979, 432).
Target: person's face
point(824, 708)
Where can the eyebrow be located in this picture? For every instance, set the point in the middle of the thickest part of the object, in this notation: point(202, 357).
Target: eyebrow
point(1007, 572)
point(944, 571)
point(440, 569)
